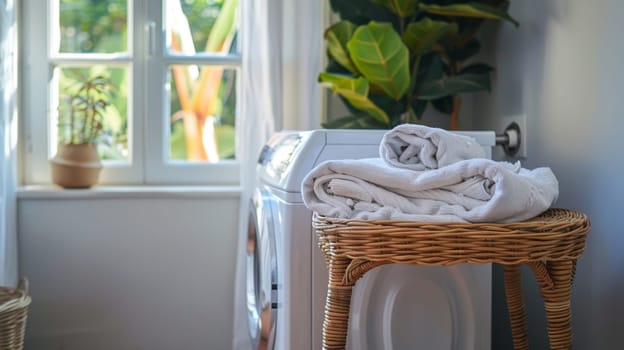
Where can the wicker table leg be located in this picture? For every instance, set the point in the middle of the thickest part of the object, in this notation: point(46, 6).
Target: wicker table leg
point(515, 305)
point(557, 304)
point(337, 306)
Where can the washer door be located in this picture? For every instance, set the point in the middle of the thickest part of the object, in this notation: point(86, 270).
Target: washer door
point(400, 307)
point(261, 272)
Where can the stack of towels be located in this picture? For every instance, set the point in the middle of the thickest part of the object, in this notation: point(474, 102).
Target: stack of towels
point(429, 174)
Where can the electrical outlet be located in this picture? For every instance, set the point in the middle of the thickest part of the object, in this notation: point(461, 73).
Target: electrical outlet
point(509, 125)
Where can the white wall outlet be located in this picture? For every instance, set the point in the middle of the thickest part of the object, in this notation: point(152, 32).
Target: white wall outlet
point(514, 127)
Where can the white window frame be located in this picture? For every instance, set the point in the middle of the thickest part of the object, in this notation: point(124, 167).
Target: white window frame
point(148, 123)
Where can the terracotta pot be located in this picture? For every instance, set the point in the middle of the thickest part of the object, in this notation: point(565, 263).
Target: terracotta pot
point(76, 166)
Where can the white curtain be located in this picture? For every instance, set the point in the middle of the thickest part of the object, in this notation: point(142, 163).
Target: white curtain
point(259, 112)
point(302, 56)
point(8, 141)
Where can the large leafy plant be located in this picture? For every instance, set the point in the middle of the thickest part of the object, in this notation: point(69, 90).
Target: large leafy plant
point(391, 59)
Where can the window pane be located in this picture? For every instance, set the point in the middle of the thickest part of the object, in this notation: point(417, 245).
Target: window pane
point(196, 26)
point(76, 122)
point(93, 26)
point(202, 106)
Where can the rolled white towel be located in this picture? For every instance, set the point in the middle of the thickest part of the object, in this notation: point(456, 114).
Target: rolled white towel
point(420, 147)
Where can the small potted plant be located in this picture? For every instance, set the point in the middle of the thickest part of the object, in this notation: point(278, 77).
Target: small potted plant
point(390, 60)
point(81, 113)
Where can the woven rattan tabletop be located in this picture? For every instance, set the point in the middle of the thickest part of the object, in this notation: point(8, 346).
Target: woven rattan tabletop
point(557, 234)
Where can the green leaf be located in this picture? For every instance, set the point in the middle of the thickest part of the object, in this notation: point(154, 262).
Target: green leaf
point(355, 91)
point(335, 67)
point(443, 105)
point(382, 58)
point(354, 122)
point(422, 35)
point(362, 11)
point(403, 8)
point(223, 27)
point(418, 108)
point(477, 68)
point(463, 53)
point(388, 104)
point(471, 9)
point(432, 90)
point(337, 37)
point(431, 67)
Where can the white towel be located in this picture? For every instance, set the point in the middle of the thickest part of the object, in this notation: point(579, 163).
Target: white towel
point(476, 190)
point(419, 147)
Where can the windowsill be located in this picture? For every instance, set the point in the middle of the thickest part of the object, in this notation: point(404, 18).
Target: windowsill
point(136, 192)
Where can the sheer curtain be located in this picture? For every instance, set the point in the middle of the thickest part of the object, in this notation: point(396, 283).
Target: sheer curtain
point(259, 112)
point(8, 141)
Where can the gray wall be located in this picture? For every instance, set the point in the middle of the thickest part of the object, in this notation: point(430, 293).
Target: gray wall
point(563, 68)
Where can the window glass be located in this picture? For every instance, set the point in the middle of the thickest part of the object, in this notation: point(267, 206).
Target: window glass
point(202, 105)
point(201, 26)
point(173, 66)
point(93, 26)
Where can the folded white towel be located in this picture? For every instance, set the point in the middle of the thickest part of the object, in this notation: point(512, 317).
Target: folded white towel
point(476, 190)
point(420, 147)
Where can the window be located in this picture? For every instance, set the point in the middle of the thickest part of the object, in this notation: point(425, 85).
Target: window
point(174, 67)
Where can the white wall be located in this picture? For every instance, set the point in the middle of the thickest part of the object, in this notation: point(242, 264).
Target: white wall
point(563, 67)
point(129, 272)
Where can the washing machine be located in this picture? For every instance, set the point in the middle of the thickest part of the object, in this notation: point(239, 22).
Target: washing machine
point(393, 307)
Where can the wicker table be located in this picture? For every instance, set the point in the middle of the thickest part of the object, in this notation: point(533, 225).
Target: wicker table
point(549, 244)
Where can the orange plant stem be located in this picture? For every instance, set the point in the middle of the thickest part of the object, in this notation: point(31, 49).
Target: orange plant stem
point(192, 124)
point(207, 90)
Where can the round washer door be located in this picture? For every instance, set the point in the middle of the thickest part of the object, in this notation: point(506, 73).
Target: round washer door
point(399, 307)
point(261, 268)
